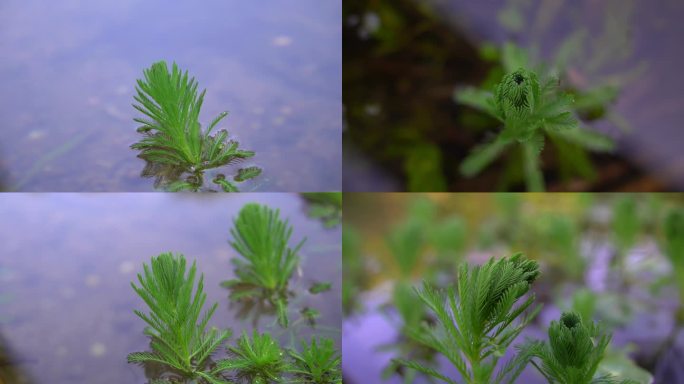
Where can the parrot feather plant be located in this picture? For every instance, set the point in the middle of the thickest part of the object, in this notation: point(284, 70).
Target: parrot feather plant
point(257, 359)
point(174, 142)
point(477, 322)
point(573, 353)
point(529, 109)
point(262, 239)
point(176, 325)
point(317, 363)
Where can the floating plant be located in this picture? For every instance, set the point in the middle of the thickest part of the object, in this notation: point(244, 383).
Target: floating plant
point(475, 325)
point(174, 144)
point(257, 359)
point(325, 206)
point(267, 262)
point(317, 363)
point(176, 325)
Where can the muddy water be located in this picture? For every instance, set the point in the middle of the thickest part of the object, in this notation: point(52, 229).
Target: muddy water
point(68, 72)
point(66, 262)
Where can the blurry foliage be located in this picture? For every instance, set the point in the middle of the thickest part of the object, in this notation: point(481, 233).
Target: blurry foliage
point(674, 249)
point(353, 269)
point(531, 109)
point(397, 73)
point(412, 313)
point(626, 224)
point(399, 61)
point(423, 236)
point(325, 206)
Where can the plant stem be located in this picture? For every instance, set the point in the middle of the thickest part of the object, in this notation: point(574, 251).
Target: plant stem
point(533, 175)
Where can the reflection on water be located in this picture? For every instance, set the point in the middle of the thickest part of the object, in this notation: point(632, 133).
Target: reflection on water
point(68, 261)
point(69, 71)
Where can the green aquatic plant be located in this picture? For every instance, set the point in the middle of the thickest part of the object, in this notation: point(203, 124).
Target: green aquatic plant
point(626, 224)
point(267, 263)
point(174, 142)
point(573, 353)
point(257, 359)
point(247, 173)
point(674, 249)
point(530, 109)
point(406, 242)
point(325, 206)
point(180, 338)
point(476, 323)
point(353, 269)
point(316, 363)
point(412, 312)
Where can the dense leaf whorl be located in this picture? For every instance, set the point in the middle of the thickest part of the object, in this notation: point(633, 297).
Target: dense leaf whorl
point(571, 341)
point(515, 94)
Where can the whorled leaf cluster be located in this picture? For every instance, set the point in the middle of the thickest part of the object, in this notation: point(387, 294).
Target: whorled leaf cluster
point(530, 109)
point(267, 261)
point(477, 323)
point(573, 353)
point(174, 142)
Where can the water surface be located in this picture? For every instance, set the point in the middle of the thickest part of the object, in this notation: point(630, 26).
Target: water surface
point(67, 260)
point(69, 68)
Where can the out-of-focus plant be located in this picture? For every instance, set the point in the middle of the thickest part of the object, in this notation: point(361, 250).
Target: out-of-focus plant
point(573, 353)
point(477, 322)
point(529, 109)
point(560, 239)
point(406, 243)
point(584, 303)
point(412, 313)
point(449, 239)
point(262, 239)
point(585, 58)
point(318, 362)
point(584, 62)
point(421, 234)
point(626, 229)
point(173, 141)
point(674, 248)
point(626, 224)
point(353, 269)
point(325, 206)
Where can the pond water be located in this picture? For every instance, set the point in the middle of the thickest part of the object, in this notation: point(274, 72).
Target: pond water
point(69, 69)
point(67, 260)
